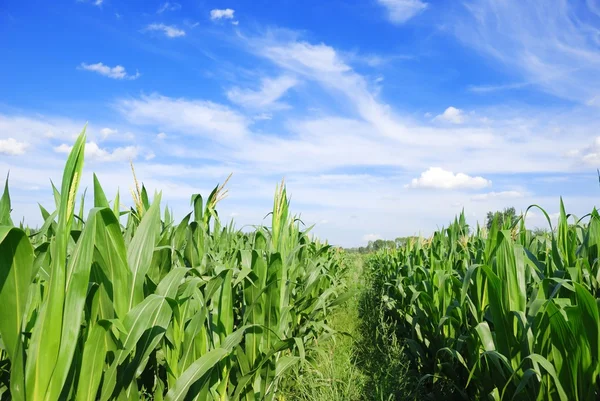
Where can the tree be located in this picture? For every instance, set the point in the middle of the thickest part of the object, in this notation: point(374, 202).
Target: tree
point(378, 244)
point(540, 231)
point(509, 214)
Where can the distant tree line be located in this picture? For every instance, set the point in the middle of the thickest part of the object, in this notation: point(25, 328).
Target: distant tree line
point(379, 244)
point(509, 215)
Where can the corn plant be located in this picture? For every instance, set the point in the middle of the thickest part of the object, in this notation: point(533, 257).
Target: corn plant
point(501, 315)
point(94, 309)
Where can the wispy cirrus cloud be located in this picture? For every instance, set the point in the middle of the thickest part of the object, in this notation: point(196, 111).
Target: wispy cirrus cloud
point(170, 31)
point(552, 45)
point(168, 6)
point(400, 11)
point(116, 72)
point(348, 163)
point(497, 88)
point(97, 3)
point(267, 96)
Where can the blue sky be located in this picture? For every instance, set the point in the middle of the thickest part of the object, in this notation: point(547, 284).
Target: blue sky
point(386, 117)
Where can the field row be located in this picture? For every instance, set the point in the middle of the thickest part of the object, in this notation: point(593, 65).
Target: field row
point(498, 314)
point(153, 308)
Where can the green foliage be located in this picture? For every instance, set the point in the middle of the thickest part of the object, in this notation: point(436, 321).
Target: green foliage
point(507, 216)
point(379, 244)
point(380, 354)
point(331, 371)
point(504, 314)
point(152, 309)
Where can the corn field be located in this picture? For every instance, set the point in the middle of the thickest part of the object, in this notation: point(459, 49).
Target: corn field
point(499, 315)
point(93, 309)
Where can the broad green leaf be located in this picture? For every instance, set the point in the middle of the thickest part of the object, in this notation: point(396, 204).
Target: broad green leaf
point(141, 249)
point(45, 342)
point(16, 261)
point(92, 366)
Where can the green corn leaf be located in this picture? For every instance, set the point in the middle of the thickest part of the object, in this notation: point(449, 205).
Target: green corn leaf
point(45, 342)
point(203, 365)
point(76, 286)
point(99, 196)
point(141, 249)
point(169, 285)
point(92, 365)
point(5, 207)
point(145, 316)
point(111, 257)
point(16, 260)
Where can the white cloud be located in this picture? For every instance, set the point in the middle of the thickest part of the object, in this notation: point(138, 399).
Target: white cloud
point(97, 3)
point(496, 88)
point(94, 152)
point(588, 155)
point(371, 237)
point(451, 115)
point(167, 6)
point(498, 195)
point(552, 45)
point(359, 130)
point(324, 65)
point(305, 57)
point(263, 116)
point(400, 11)
point(306, 151)
point(194, 117)
point(63, 148)
point(12, 147)
point(170, 31)
point(217, 14)
point(106, 132)
point(39, 128)
point(117, 72)
point(266, 96)
point(509, 141)
point(161, 136)
point(438, 178)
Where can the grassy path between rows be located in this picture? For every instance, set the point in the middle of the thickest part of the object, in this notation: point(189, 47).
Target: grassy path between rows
point(360, 363)
point(333, 374)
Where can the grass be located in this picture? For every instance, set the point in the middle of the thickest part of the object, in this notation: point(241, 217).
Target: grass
point(363, 361)
point(331, 372)
point(380, 355)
